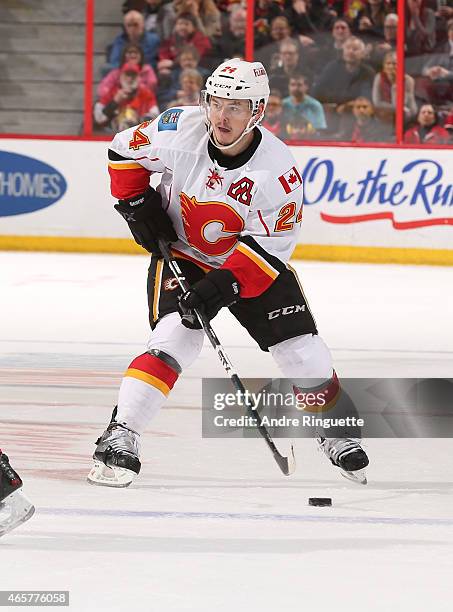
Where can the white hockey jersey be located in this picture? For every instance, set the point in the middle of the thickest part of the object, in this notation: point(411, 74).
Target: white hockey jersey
point(243, 216)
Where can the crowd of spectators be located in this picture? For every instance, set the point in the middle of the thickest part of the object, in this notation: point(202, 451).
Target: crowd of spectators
point(332, 65)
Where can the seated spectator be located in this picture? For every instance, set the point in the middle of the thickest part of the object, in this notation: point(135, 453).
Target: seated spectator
point(191, 82)
point(420, 28)
point(290, 62)
point(232, 42)
point(382, 47)
point(132, 54)
point(365, 127)
point(269, 53)
point(273, 117)
point(384, 91)
point(134, 32)
point(205, 13)
point(184, 33)
point(436, 84)
point(345, 79)
point(331, 46)
point(157, 13)
point(169, 83)
point(265, 13)
point(342, 81)
point(427, 130)
point(370, 19)
point(299, 103)
point(127, 104)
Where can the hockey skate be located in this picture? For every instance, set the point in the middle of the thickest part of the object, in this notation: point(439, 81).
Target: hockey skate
point(348, 455)
point(116, 458)
point(15, 508)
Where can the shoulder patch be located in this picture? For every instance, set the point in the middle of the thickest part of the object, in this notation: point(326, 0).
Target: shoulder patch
point(169, 119)
point(291, 180)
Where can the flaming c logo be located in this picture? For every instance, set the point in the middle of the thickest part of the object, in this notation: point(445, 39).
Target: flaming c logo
point(211, 227)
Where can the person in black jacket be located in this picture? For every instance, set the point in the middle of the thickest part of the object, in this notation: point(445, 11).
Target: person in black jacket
point(344, 80)
point(366, 127)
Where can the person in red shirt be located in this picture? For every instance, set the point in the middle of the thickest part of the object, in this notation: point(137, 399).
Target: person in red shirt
point(184, 33)
point(365, 128)
point(427, 131)
point(132, 54)
point(126, 104)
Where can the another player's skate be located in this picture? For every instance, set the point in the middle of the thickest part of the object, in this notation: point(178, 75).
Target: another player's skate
point(15, 508)
point(348, 455)
point(116, 458)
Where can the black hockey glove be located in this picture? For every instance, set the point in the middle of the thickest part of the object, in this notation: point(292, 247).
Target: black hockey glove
point(217, 289)
point(147, 220)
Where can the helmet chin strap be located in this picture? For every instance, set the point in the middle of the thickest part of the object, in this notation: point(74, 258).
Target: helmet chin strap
point(248, 128)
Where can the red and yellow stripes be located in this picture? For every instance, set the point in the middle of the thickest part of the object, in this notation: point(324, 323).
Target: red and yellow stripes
point(128, 178)
point(322, 398)
point(153, 371)
point(252, 271)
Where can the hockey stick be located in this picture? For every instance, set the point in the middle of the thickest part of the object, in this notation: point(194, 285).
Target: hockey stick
point(286, 464)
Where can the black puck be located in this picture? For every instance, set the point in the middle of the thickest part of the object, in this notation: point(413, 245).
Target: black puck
point(319, 501)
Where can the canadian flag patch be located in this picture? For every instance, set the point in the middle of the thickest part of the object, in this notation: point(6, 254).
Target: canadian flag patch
point(290, 180)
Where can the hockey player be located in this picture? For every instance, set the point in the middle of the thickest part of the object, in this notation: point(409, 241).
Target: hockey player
point(230, 204)
point(15, 508)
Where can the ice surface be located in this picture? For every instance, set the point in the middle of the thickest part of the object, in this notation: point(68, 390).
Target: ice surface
point(211, 525)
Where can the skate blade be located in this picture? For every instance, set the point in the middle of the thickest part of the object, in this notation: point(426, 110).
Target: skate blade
point(104, 476)
point(358, 476)
point(15, 511)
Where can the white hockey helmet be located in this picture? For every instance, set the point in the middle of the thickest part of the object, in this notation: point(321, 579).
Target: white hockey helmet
point(237, 79)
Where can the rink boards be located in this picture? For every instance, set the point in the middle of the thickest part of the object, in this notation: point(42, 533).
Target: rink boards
point(360, 203)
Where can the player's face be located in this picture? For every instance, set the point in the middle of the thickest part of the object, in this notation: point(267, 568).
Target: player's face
point(229, 118)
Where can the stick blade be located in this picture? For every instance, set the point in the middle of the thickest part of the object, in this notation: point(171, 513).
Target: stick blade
point(286, 464)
